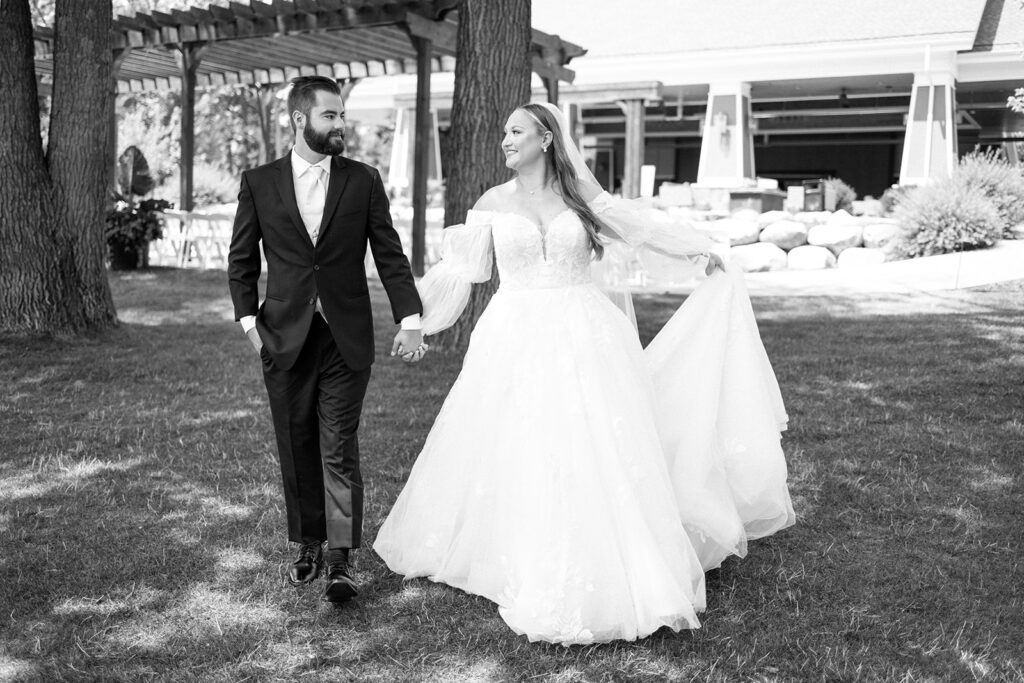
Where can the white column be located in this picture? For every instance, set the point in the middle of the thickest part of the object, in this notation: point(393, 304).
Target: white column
point(930, 146)
point(727, 141)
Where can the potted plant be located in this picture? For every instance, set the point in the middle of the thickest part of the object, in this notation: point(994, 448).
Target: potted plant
point(132, 225)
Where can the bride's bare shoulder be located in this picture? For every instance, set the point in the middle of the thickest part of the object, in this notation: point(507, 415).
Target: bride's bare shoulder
point(495, 199)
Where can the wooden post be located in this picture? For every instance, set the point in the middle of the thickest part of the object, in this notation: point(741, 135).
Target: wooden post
point(635, 139)
point(423, 149)
point(119, 57)
point(188, 60)
point(551, 85)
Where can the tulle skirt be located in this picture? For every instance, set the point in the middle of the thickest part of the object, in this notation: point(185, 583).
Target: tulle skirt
point(548, 485)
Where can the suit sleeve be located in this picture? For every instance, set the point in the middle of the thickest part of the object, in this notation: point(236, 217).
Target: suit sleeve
point(386, 247)
point(244, 255)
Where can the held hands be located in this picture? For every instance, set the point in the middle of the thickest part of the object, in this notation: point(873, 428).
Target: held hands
point(714, 263)
point(409, 345)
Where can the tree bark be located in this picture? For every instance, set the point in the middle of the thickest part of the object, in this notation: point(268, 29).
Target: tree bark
point(492, 77)
point(79, 151)
point(52, 207)
point(32, 280)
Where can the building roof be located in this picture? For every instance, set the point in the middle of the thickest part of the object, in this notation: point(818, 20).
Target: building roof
point(682, 26)
point(264, 42)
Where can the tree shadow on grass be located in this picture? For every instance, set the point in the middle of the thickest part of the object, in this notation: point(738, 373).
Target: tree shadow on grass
point(140, 493)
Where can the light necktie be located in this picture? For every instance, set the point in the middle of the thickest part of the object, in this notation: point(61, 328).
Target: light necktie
point(316, 195)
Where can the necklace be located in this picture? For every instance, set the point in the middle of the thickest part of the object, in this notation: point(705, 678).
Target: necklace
point(534, 190)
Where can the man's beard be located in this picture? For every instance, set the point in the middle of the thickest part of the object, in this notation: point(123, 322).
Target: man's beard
point(330, 143)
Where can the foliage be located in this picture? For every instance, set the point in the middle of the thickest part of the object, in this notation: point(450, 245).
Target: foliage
point(945, 216)
point(844, 193)
point(1016, 101)
point(990, 174)
point(891, 197)
point(133, 226)
point(370, 144)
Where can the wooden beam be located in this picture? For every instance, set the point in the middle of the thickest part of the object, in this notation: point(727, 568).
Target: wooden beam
point(422, 154)
point(554, 71)
point(441, 34)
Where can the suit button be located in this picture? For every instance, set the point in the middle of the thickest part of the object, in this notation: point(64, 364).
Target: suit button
point(316, 267)
point(312, 301)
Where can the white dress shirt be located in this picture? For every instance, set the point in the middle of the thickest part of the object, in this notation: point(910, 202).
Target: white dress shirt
point(310, 201)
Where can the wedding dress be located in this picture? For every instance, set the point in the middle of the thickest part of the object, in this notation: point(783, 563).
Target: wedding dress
point(578, 481)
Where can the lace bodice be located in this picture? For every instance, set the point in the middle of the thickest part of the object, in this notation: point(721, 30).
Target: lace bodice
point(530, 256)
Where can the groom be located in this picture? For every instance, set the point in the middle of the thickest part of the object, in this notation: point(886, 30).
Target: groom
point(315, 212)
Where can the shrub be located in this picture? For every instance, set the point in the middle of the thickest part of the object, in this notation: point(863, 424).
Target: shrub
point(945, 216)
point(845, 195)
point(1002, 182)
point(891, 197)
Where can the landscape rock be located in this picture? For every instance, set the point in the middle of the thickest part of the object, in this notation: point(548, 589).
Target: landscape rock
point(877, 235)
point(836, 236)
point(840, 217)
point(740, 231)
point(810, 257)
point(785, 234)
point(860, 257)
point(745, 214)
point(810, 218)
point(769, 217)
point(869, 206)
point(759, 257)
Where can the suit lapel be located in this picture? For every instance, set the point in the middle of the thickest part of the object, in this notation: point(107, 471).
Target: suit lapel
point(335, 188)
point(286, 187)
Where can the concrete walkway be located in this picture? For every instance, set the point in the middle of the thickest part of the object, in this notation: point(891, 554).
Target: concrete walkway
point(1000, 263)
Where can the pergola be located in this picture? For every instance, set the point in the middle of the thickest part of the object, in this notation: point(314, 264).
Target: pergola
point(268, 43)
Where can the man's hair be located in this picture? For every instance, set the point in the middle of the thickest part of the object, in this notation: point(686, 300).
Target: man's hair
point(303, 94)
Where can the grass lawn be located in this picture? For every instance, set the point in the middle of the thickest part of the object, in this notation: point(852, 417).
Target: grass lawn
point(142, 524)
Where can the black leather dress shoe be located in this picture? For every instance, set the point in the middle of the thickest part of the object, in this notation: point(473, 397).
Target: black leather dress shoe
point(307, 565)
point(341, 587)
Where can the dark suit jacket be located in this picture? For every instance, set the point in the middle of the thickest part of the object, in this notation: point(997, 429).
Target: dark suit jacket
point(356, 212)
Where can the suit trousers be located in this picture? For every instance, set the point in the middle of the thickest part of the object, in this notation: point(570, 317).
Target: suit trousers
point(316, 407)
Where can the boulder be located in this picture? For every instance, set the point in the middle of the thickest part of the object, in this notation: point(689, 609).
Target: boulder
point(869, 206)
point(785, 234)
point(836, 236)
point(755, 258)
point(740, 231)
point(745, 214)
point(809, 257)
point(841, 216)
point(769, 217)
point(877, 235)
point(859, 257)
point(810, 218)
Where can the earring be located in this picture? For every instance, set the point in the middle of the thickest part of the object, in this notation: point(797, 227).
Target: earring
point(544, 148)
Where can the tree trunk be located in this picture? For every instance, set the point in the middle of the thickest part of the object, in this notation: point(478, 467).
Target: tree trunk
point(32, 279)
point(79, 150)
point(492, 77)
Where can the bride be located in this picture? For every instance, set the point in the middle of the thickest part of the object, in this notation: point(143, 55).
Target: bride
point(579, 481)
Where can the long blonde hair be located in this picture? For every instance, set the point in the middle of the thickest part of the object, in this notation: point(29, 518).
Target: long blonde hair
point(565, 174)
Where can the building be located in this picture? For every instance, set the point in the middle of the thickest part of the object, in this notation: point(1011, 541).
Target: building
point(875, 92)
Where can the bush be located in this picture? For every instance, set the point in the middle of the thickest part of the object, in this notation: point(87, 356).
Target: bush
point(945, 216)
point(892, 196)
point(845, 195)
point(996, 178)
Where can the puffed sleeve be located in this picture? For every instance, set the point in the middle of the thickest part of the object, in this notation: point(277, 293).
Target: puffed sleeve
point(466, 258)
point(639, 225)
